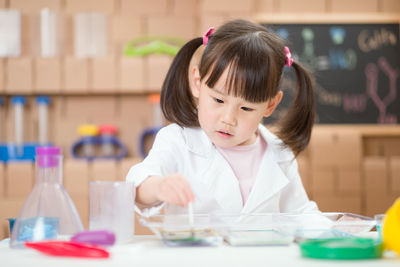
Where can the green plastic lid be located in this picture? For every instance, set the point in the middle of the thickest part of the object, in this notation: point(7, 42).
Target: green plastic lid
point(349, 248)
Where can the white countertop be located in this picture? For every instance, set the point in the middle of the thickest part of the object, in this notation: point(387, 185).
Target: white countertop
point(150, 251)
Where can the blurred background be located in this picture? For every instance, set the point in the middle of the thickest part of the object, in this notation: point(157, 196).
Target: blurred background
point(72, 71)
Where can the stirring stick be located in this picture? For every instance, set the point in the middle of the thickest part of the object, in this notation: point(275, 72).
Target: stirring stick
point(190, 216)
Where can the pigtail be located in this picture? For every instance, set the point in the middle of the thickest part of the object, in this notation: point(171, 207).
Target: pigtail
point(177, 102)
point(295, 128)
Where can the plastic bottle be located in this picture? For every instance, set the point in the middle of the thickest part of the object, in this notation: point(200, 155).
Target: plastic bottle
point(19, 103)
point(43, 103)
point(48, 212)
point(88, 133)
point(107, 133)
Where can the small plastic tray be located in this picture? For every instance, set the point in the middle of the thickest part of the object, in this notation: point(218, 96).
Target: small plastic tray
point(261, 228)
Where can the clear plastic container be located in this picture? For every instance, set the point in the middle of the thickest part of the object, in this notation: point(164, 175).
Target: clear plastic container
point(48, 212)
point(265, 228)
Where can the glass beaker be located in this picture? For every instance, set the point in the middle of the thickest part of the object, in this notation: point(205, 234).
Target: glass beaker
point(48, 212)
point(112, 208)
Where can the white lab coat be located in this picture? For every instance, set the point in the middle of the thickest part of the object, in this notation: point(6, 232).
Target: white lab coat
point(188, 151)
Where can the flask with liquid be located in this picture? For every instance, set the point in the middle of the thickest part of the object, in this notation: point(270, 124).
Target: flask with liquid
point(48, 212)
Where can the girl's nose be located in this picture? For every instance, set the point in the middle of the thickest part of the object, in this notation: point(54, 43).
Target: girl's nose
point(229, 116)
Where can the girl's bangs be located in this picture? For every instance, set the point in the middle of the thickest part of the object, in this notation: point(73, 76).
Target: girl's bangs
point(248, 73)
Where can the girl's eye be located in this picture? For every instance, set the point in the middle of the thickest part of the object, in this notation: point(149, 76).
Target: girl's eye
point(247, 109)
point(218, 100)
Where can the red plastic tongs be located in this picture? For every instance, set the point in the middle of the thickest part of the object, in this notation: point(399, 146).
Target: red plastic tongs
point(68, 249)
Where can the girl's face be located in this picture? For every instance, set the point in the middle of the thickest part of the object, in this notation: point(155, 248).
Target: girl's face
point(228, 120)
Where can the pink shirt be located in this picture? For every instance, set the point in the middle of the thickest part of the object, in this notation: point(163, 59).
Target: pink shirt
point(245, 163)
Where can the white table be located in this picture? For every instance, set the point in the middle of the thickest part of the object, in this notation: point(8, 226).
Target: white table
point(150, 251)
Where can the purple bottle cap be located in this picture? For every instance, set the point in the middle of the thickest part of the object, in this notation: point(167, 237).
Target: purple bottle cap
point(47, 156)
point(96, 237)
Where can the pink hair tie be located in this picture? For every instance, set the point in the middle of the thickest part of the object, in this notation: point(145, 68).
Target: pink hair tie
point(289, 59)
point(207, 35)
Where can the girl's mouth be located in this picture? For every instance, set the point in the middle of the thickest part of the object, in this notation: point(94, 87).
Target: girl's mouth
point(224, 134)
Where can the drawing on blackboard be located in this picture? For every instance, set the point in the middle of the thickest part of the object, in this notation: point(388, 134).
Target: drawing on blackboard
point(356, 69)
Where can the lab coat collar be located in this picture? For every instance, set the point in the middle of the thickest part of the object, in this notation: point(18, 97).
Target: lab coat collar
point(269, 180)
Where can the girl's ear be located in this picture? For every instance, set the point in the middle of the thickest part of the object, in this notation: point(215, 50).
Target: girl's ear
point(273, 103)
point(195, 82)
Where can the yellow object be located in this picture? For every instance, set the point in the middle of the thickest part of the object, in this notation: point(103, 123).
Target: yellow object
point(391, 227)
point(88, 130)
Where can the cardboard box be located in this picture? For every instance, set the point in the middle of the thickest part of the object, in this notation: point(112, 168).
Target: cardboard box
point(143, 7)
point(390, 6)
point(101, 6)
point(394, 165)
point(184, 8)
point(391, 146)
point(324, 180)
point(227, 6)
point(266, 6)
point(307, 6)
point(338, 203)
point(2, 76)
point(34, 6)
point(375, 176)
point(349, 180)
point(331, 147)
point(91, 107)
point(19, 179)
point(47, 75)
point(104, 170)
point(132, 75)
point(378, 204)
point(373, 146)
point(168, 25)
point(126, 28)
point(76, 177)
point(19, 75)
point(157, 69)
point(76, 75)
point(103, 75)
point(2, 181)
point(345, 6)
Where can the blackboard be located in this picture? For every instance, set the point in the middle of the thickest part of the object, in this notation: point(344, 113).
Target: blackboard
point(356, 69)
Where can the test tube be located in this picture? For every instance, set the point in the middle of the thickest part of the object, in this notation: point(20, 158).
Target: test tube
point(43, 104)
point(157, 113)
point(18, 102)
point(107, 132)
point(1, 119)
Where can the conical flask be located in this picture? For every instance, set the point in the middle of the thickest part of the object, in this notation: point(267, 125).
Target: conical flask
point(48, 212)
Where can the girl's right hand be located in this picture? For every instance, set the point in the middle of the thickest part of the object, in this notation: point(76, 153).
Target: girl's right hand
point(175, 189)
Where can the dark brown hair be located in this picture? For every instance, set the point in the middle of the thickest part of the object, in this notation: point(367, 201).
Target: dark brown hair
point(256, 59)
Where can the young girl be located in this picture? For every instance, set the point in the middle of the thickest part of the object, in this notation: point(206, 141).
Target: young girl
point(216, 153)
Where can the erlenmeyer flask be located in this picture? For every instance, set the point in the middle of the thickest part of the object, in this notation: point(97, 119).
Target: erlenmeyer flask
point(48, 212)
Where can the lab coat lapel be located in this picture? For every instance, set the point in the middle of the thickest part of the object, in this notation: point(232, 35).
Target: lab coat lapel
point(217, 175)
point(223, 184)
point(270, 178)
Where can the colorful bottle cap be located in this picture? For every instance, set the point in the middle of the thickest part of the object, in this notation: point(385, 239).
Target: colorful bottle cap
point(48, 151)
point(18, 100)
point(107, 129)
point(154, 98)
point(88, 130)
point(48, 156)
point(43, 100)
